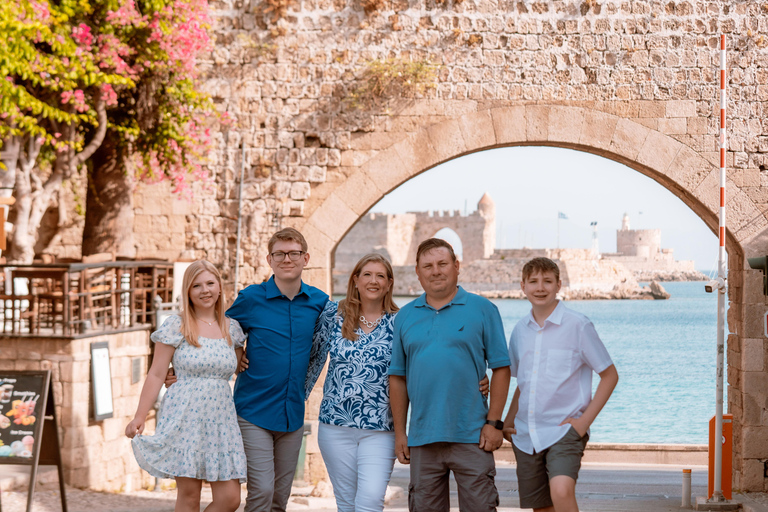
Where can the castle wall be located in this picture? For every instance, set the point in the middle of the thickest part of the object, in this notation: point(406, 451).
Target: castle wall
point(635, 82)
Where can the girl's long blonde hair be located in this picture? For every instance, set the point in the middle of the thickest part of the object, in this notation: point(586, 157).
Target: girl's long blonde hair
point(349, 308)
point(188, 317)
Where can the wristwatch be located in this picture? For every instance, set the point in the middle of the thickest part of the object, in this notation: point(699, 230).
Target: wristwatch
point(497, 424)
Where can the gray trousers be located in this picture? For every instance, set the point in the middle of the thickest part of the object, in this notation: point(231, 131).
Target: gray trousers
point(271, 458)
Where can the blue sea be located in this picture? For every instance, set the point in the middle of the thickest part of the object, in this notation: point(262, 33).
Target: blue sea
point(665, 353)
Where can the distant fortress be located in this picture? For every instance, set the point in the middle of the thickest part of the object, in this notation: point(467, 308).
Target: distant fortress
point(586, 274)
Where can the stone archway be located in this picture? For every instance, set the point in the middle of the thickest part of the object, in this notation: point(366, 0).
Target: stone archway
point(688, 174)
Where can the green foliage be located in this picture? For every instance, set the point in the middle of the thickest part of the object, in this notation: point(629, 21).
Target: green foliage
point(41, 65)
point(385, 80)
point(65, 60)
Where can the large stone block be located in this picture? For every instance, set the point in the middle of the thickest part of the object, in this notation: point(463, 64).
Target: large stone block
point(447, 139)
point(597, 129)
point(477, 130)
point(658, 151)
point(565, 124)
point(509, 124)
point(536, 123)
point(628, 138)
point(753, 356)
point(334, 218)
point(755, 383)
point(360, 192)
point(753, 476)
point(755, 442)
point(417, 153)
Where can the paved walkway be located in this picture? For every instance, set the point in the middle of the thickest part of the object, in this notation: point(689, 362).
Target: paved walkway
point(602, 488)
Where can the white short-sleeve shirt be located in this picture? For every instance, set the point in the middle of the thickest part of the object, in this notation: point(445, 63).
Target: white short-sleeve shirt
point(553, 365)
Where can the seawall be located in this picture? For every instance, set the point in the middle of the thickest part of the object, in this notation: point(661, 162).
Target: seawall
point(630, 453)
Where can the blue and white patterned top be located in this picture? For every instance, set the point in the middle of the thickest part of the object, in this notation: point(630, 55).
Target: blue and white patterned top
point(356, 391)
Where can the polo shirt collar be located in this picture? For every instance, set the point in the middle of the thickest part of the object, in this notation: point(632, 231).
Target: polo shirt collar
point(555, 317)
point(273, 291)
point(460, 299)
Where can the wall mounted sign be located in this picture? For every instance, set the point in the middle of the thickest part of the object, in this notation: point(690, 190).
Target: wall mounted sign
point(101, 381)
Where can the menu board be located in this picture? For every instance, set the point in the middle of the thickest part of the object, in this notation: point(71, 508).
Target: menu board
point(22, 398)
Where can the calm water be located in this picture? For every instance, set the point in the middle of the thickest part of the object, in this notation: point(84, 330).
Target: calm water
point(665, 355)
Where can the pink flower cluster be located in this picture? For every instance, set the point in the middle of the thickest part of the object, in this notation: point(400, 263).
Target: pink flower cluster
point(77, 97)
point(180, 31)
point(126, 15)
point(82, 35)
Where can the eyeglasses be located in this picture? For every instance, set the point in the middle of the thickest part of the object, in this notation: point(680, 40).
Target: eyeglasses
point(280, 255)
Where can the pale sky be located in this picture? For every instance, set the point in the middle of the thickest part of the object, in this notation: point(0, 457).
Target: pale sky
point(530, 185)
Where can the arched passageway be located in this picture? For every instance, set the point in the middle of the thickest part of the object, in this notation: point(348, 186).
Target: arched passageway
point(688, 174)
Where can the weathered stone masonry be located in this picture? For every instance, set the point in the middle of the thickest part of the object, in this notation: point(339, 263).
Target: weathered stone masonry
point(633, 81)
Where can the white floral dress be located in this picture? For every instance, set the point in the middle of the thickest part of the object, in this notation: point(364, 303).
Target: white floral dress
point(197, 434)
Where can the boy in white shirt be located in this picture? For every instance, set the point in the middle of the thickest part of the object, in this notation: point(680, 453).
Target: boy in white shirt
point(553, 351)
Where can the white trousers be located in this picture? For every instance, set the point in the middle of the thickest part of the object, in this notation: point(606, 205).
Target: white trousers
point(359, 463)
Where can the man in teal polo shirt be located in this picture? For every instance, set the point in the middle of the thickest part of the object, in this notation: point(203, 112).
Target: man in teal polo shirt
point(443, 343)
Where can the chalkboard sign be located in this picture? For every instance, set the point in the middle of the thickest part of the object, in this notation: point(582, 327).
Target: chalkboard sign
point(28, 430)
point(22, 401)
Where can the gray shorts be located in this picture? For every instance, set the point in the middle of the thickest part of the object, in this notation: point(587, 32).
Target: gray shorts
point(474, 470)
point(535, 471)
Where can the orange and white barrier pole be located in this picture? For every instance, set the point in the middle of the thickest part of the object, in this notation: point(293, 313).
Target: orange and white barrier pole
point(717, 495)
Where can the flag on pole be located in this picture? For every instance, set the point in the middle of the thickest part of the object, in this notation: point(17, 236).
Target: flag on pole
point(561, 215)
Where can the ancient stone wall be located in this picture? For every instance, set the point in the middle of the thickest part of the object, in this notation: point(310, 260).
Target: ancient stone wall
point(633, 81)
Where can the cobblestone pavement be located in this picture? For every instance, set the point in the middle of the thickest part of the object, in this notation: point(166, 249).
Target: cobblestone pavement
point(47, 500)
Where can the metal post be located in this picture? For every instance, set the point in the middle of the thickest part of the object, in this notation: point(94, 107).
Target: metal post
point(717, 494)
point(239, 217)
point(686, 501)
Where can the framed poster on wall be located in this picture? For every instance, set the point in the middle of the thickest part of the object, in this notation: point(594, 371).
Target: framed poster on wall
point(101, 381)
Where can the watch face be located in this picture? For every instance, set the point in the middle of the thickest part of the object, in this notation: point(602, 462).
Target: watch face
point(497, 424)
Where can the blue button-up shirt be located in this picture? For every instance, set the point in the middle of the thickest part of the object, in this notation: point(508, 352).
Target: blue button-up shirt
point(270, 393)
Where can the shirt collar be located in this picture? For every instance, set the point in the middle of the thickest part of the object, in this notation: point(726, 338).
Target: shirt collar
point(273, 291)
point(460, 299)
point(555, 317)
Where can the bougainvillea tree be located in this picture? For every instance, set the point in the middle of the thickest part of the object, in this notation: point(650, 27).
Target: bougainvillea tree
point(111, 84)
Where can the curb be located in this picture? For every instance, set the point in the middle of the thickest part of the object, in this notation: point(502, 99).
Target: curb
point(749, 504)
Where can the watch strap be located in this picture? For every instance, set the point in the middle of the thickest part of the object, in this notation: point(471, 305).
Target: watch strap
point(497, 424)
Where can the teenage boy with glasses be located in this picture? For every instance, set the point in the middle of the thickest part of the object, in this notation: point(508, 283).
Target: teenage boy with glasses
point(279, 317)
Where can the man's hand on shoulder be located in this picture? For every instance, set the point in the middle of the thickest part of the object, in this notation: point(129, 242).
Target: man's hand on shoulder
point(490, 438)
point(401, 449)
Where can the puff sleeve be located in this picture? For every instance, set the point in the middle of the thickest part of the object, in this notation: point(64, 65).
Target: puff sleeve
point(236, 333)
point(170, 332)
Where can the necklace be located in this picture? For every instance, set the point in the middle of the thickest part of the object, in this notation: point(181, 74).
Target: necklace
point(368, 324)
point(210, 324)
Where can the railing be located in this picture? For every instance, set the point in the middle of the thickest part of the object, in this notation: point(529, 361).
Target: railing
point(81, 299)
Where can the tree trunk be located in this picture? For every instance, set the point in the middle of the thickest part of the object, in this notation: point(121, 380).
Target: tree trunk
point(9, 155)
point(31, 202)
point(109, 204)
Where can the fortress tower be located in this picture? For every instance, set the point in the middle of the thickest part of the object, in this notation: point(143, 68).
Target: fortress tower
point(641, 243)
